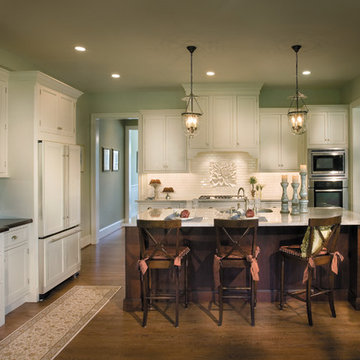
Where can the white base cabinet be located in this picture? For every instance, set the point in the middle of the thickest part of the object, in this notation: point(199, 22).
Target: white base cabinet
point(16, 258)
point(2, 278)
point(59, 258)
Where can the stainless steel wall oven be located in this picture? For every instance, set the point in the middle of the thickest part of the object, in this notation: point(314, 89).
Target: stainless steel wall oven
point(328, 178)
point(328, 192)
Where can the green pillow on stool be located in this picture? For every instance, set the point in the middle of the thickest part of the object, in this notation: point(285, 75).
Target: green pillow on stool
point(317, 243)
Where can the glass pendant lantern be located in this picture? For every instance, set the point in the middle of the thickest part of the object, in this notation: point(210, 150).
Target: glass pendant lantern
point(192, 114)
point(297, 113)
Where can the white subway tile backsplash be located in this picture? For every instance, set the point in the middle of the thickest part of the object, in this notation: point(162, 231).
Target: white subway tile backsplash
point(198, 180)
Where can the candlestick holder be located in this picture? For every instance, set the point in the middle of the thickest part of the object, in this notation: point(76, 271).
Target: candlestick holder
point(303, 193)
point(295, 200)
point(284, 198)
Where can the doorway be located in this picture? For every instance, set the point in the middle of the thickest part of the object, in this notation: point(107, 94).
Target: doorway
point(131, 171)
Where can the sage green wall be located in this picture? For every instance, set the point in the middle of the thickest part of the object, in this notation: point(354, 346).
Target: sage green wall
point(351, 91)
point(111, 183)
point(13, 62)
point(279, 97)
point(133, 101)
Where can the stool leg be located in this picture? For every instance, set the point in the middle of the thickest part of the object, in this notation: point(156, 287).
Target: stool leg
point(145, 291)
point(282, 280)
point(308, 296)
point(331, 293)
point(186, 285)
point(177, 296)
point(220, 292)
point(252, 301)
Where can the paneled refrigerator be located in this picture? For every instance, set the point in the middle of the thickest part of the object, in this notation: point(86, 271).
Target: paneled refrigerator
point(59, 213)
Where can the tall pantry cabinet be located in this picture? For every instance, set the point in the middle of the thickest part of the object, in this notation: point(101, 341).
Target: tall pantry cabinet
point(40, 109)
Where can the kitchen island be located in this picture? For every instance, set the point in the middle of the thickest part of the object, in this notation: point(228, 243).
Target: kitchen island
point(275, 229)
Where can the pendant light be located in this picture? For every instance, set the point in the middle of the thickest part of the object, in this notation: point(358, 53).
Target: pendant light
point(298, 111)
point(193, 111)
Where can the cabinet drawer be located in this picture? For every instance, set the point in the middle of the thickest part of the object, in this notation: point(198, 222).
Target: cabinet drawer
point(15, 237)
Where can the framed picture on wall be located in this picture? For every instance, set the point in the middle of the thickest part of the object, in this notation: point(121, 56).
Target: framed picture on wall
point(105, 159)
point(115, 160)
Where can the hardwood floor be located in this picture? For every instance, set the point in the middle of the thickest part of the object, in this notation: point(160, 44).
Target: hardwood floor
point(114, 334)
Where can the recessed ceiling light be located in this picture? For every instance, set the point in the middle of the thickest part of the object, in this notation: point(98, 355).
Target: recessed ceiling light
point(115, 76)
point(306, 72)
point(210, 73)
point(80, 48)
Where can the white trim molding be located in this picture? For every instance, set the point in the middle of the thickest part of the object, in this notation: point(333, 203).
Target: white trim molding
point(107, 230)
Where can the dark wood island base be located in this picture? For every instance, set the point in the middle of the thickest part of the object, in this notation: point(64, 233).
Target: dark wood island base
point(202, 243)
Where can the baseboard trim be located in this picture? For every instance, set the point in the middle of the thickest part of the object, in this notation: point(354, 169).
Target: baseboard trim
point(110, 228)
point(85, 241)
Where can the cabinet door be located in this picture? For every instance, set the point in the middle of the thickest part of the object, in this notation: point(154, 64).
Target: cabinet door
point(337, 128)
point(72, 252)
point(52, 182)
point(175, 144)
point(66, 116)
point(246, 122)
point(54, 261)
point(290, 151)
point(223, 119)
point(154, 144)
point(73, 188)
point(16, 273)
point(201, 140)
point(3, 128)
point(317, 128)
point(48, 110)
point(270, 142)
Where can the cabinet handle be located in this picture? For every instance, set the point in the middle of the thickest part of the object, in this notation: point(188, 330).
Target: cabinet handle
point(59, 128)
point(14, 237)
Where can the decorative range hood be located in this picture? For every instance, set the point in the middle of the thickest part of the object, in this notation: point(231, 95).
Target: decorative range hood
point(230, 120)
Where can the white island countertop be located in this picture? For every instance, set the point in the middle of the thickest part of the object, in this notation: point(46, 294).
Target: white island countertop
point(204, 217)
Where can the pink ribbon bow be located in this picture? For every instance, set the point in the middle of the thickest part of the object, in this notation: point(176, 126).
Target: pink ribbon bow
point(177, 260)
point(143, 265)
point(311, 264)
point(335, 262)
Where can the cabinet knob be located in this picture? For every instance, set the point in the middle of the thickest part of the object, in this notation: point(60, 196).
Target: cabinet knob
point(237, 143)
point(14, 237)
point(59, 128)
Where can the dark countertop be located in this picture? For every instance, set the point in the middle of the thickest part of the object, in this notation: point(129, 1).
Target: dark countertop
point(7, 224)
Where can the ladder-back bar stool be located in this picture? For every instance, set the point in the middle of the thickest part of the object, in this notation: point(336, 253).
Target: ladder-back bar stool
point(160, 249)
point(236, 249)
point(317, 249)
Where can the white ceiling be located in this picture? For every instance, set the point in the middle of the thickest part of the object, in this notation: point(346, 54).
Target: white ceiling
point(145, 41)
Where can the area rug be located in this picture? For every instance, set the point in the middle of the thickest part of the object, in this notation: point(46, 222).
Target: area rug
point(47, 333)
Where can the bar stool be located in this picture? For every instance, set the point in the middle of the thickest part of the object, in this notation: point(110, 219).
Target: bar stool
point(158, 250)
point(236, 249)
point(318, 249)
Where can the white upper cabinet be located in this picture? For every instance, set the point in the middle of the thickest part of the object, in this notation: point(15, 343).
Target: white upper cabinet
point(4, 75)
point(201, 141)
point(57, 114)
point(223, 112)
point(164, 141)
point(247, 129)
point(52, 103)
point(230, 120)
point(279, 148)
point(328, 126)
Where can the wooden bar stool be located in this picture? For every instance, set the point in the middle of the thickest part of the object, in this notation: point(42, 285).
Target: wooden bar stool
point(158, 250)
point(318, 249)
point(236, 249)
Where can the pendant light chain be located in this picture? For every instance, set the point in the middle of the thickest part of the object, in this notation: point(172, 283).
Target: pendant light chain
point(297, 83)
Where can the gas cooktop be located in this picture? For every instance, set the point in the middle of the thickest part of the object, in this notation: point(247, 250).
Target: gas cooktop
point(212, 197)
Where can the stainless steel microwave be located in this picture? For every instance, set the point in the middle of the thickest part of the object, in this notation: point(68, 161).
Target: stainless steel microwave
point(327, 162)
